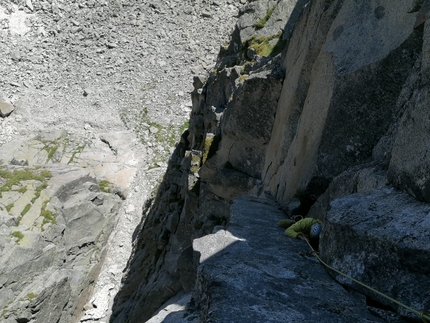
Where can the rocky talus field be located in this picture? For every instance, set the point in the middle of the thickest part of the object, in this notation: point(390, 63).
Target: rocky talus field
point(93, 97)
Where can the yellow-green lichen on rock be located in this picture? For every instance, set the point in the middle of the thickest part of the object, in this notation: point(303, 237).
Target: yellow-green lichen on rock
point(266, 45)
point(18, 235)
point(208, 143)
point(262, 22)
point(105, 186)
point(195, 162)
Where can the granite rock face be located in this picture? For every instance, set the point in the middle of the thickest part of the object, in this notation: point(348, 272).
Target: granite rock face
point(51, 252)
point(249, 275)
point(57, 211)
point(381, 238)
point(334, 106)
point(339, 96)
point(214, 162)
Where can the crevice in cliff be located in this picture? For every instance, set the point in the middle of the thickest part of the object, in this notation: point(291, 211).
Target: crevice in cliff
point(105, 141)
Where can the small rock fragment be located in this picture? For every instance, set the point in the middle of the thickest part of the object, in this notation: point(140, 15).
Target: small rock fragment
point(6, 109)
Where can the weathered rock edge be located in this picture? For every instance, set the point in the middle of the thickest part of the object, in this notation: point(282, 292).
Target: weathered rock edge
point(345, 101)
point(251, 272)
point(381, 238)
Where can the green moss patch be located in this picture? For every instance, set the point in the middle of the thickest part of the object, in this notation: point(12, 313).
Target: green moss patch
point(48, 216)
point(77, 151)
point(26, 209)
point(266, 46)
point(19, 175)
point(262, 22)
point(242, 78)
point(184, 127)
point(51, 146)
point(31, 296)
point(105, 186)
point(9, 207)
point(195, 163)
point(207, 147)
point(18, 235)
point(38, 190)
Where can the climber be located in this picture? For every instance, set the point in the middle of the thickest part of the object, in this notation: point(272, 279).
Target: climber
point(306, 229)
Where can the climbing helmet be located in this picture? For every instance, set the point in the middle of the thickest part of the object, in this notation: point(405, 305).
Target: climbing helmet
point(315, 230)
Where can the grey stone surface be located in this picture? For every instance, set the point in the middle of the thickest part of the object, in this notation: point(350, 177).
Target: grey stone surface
point(200, 181)
point(6, 109)
point(408, 166)
point(51, 253)
point(252, 272)
point(330, 116)
point(381, 238)
point(349, 72)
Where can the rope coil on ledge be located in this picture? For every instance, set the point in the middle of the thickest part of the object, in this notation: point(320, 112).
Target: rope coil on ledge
point(424, 316)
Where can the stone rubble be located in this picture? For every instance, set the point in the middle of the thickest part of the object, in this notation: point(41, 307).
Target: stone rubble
point(110, 66)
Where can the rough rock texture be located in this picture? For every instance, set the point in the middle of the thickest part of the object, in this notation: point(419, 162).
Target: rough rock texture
point(5, 109)
point(408, 166)
point(341, 110)
point(380, 234)
point(249, 275)
point(198, 184)
point(308, 97)
point(339, 96)
point(109, 80)
point(55, 222)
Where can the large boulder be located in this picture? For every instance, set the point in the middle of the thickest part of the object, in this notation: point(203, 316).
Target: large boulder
point(251, 272)
point(57, 211)
point(409, 164)
point(381, 238)
point(51, 252)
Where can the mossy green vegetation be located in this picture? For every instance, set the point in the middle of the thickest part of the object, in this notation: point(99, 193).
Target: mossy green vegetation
point(9, 207)
point(242, 78)
point(48, 216)
point(26, 209)
point(37, 191)
point(15, 177)
point(262, 22)
point(22, 190)
point(265, 46)
point(184, 127)
point(195, 163)
point(18, 235)
point(75, 152)
point(51, 146)
point(208, 143)
point(31, 296)
point(104, 186)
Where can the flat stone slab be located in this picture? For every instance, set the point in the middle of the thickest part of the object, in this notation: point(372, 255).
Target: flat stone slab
point(255, 273)
point(6, 109)
point(382, 239)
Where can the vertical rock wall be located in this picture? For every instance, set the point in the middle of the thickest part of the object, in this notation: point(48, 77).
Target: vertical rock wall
point(346, 64)
point(219, 157)
point(344, 102)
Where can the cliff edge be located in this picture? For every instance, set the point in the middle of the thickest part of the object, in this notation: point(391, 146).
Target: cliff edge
point(323, 98)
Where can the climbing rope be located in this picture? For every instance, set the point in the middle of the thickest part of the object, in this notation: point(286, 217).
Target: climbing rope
point(424, 316)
